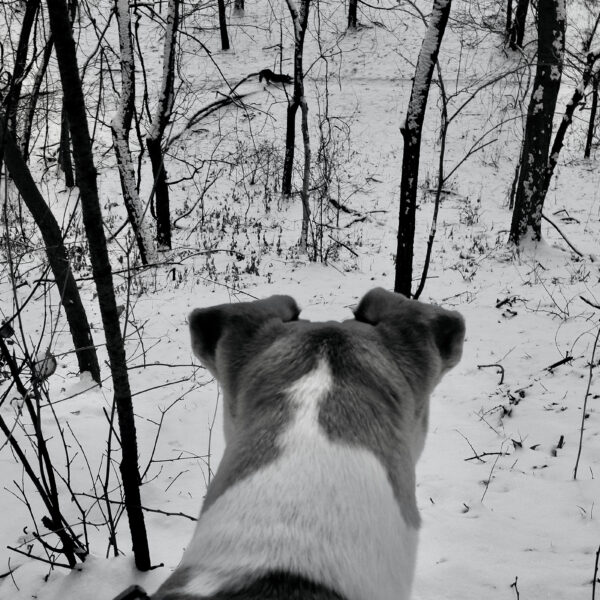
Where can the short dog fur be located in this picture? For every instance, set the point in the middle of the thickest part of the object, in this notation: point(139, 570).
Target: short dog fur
point(324, 422)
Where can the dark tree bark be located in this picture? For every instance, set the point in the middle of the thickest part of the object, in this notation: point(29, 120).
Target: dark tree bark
point(14, 93)
point(223, 25)
point(57, 255)
point(411, 132)
point(567, 119)
point(298, 100)
point(531, 188)
point(33, 98)
point(64, 152)
point(352, 10)
point(159, 124)
point(300, 19)
point(593, 111)
point(509, 11)
point(517, 32)
point(92, 218)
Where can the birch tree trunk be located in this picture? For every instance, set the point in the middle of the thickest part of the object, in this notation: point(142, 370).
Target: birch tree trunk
point(411, 132)
point(121, 126)
point(57, 255)
point(300, 21)
point(92, 218)
point(531, 188)
point(159, 123)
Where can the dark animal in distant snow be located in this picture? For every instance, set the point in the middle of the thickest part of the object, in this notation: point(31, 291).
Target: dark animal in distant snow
point(269, 77)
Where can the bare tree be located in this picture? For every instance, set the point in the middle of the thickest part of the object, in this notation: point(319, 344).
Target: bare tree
point(57, 255)
point(411, 132)
point(567, 118)
point(160, 121)
point(92, 218)
point(532, 184)
point(352, 10)
point(509, 11)
point(593, 112)
point(121, 126)
point(223, 25)
point(300, 20)
point(14, 93)
point(517, 31)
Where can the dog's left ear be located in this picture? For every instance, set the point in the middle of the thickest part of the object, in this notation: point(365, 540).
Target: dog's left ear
point(209, 325)
point(411, 320)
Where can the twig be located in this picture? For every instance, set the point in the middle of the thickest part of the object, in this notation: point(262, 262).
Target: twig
point(564, 237)
point(595, 579)
point(478, 456)
point(45, 560)
point(514, 585)
point(590, 303)
point(489, 480)
point(583, 410)
point(499, 367)
point(562, 361)
point(152, 510)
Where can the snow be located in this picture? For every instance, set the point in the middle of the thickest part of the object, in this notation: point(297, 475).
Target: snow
point(513, 517)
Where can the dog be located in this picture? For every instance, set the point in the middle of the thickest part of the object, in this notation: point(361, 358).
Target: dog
point(314, 498)
point(269, 76)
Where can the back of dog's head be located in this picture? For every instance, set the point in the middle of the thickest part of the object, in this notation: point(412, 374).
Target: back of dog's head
point(324, 423)
point(257, 349)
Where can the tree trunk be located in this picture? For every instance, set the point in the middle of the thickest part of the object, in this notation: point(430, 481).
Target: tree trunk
point(517, 32)
point(121, 126)
point(159, 124)
point(509, 11)
point(223, 25)
point(33, 98)
point(567, 119)
point(64, 152)
point(411, 132)
point(593, 111)
point(14, 93)
point(531, 188)
point(300, 20)
point(305, 177)
point(57, 256)
point(352, 10)
point(93, 222)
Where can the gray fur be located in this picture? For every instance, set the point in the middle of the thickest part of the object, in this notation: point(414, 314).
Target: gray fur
point(384, 365)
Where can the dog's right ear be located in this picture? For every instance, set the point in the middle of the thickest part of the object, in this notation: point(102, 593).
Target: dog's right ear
point(209, 325)
point(414, 323)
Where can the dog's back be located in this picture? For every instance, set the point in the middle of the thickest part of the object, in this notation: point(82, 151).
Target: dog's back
point(315, 494)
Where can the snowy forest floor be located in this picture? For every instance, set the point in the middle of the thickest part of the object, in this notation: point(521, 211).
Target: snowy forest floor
point(502, 515)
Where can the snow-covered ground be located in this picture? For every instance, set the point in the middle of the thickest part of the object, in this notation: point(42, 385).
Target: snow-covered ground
point(502, 515)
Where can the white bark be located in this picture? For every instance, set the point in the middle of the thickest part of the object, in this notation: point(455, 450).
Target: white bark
point(120, 126)
point(166, 98)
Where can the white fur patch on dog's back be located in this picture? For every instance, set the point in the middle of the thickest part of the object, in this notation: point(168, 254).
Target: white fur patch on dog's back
point(322, 509)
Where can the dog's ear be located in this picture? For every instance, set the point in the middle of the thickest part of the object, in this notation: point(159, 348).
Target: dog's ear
point(412, 320)
point(209, 325)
